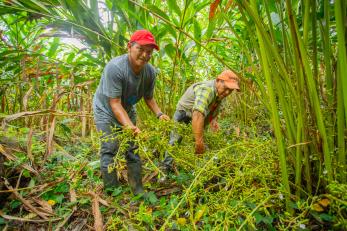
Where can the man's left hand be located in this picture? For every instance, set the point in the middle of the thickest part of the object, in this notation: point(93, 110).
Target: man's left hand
point(164, 117)
point(214, 125)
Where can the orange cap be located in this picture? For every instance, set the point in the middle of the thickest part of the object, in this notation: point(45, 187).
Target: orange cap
point(231, 80)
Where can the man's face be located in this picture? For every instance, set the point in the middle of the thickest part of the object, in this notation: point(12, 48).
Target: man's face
point(139, 55)
point(222, 89)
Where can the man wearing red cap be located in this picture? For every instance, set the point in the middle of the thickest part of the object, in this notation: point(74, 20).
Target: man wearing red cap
point(125, 80)
point(200, 105)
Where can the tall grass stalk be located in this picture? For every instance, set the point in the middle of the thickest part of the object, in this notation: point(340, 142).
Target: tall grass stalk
point(274, 110)
point(327, 53)
point(340, 132)
point(340, 8)
point(312, 89)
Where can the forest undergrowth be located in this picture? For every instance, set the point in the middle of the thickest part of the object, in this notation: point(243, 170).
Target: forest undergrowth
point(235, 185)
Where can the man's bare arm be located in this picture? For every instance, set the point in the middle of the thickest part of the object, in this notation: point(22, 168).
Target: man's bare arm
point(198, 129)
point(121, 115)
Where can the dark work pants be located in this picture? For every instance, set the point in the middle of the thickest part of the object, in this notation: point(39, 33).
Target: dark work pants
point(180, 117)
point(109, 147)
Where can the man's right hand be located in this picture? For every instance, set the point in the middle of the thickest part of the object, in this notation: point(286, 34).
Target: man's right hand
point(199, 148)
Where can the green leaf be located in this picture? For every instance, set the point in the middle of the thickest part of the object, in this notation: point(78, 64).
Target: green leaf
point(2, 221)
point(258, 217)
point(57, 198)
point(37, 6)
point(117, 191)
point(84, 201)
point(31, 183)
point(26, 173)
point(173, 5)
point(66, 129)
point(171, 30)
point(197, 30)
point(70, 57)
point(201, 4)
point(152, 198)
point(158, 11)
point(211, 26)
point(62, 187)
point(170, 50)
point(327, 217)
point(54, 47)
point(15, 203)
point(267, 220)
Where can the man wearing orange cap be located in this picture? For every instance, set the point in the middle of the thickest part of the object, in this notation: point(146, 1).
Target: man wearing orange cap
point(200, 105)
point(125, 80)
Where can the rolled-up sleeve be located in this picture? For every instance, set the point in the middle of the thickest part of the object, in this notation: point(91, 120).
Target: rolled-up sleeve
point(203, 98)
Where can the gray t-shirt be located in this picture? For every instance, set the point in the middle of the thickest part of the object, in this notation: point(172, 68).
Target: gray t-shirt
point(118, 80)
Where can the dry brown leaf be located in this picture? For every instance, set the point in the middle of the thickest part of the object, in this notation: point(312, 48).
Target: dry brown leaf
point(165, 192)
point(8, 217)
point(29, 144)
point(123, 174)
point(49, 138)
point(149, 177)
point(25, 202)
point(213, 9)
point(73, 197)
point(44, 204)
point(324, 202)
point(30, 216)
point(12, 157)
point(103, 202)
point(98, 225)
point(237, 131)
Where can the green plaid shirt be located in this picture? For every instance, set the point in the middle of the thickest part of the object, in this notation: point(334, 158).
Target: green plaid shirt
point(203, 98)
point(206, 101)
point(200, 97)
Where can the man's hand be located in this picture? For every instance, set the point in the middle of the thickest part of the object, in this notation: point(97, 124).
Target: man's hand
point(214, 125)
point(199, 148)
point(164, 117)
point(135, 130)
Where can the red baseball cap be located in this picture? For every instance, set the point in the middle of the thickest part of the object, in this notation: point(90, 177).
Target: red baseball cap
point(143, 37)
point(231, 80)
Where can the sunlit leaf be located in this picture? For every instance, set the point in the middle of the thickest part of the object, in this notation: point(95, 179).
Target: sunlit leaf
point(54, 46)
point(199, 213)
point(173, 5)
point(170, 50)
point(228, 5)
point(70, 57)
point(197, 30)
point(158, 11)
point(210, 28)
